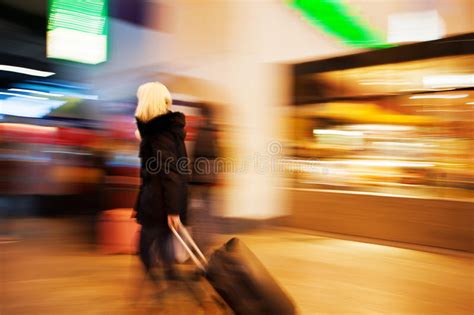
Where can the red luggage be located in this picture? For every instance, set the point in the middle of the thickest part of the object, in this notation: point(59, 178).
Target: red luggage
point(118, 232)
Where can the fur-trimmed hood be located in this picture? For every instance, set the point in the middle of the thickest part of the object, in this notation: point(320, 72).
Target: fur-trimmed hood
point(165, 122)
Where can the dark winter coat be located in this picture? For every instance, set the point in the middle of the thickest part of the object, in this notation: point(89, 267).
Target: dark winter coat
point(164, 170)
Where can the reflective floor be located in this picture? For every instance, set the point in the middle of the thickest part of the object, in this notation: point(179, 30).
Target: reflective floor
point(47, 268)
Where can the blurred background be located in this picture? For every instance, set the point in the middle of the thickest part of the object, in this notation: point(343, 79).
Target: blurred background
point(339, 124)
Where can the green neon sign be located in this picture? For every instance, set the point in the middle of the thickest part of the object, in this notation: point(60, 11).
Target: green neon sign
point(78, 30)
point(335, 18)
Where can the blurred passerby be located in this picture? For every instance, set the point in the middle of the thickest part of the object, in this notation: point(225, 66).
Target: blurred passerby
point(162, 199)
point(204, 177)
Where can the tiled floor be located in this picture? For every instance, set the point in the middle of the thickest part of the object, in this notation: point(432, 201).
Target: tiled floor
point(51, 271)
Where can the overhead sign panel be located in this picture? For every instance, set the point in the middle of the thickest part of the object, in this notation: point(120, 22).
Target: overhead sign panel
point(78, 30)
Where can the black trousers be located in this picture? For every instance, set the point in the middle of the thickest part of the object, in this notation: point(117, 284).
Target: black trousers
point(155, 244)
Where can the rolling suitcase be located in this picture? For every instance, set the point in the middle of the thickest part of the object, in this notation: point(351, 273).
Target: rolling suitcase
point(239, 278)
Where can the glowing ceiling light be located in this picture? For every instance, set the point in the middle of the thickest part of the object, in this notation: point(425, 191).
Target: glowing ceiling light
point(380, 127)
point(440, 96)
point(77, 46)
point(69, 86)
point(337, 132)
point(35, 92)
point(16, 106)
point(427, 89)
point(448, 80)
point(25, 96)
point(415, 26)
point(27, 71)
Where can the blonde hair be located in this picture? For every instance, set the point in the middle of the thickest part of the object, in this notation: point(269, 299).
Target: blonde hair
point(154, 100)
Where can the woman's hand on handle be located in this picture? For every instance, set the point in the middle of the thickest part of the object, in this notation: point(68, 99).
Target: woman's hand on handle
point(174, 221)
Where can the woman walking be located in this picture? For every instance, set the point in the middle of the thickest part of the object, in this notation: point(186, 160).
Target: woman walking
point(162, 199)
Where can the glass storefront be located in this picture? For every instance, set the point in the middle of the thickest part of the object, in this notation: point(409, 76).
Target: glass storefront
point(404, 128)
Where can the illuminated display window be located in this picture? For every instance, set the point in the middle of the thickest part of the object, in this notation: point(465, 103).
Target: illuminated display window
point(78, 30)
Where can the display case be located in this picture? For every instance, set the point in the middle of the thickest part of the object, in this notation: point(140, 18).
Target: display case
point(402, 127)
point(382, 145)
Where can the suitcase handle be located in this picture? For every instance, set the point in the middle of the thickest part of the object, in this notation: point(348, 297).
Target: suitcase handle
point(201, 262)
